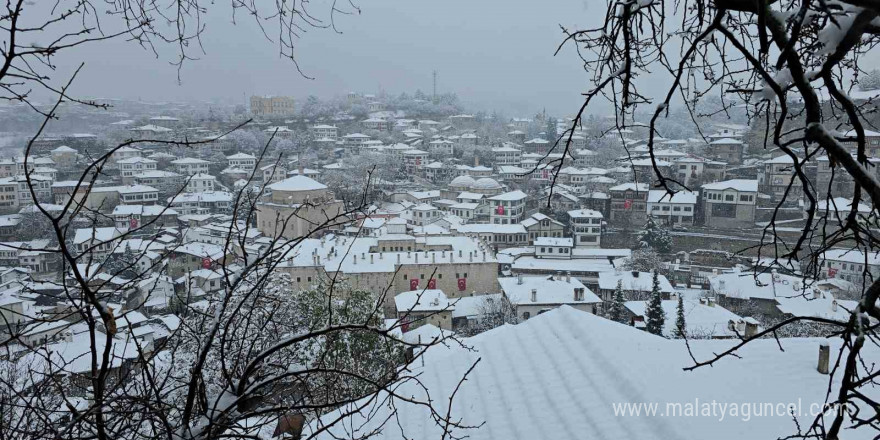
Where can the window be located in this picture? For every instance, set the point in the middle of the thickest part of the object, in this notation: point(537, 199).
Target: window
point(726, 211)
point(404, 277)
point(728, 198)
point(526, 315)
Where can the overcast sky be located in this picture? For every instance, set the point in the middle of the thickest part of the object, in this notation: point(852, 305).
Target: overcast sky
point(493, 53)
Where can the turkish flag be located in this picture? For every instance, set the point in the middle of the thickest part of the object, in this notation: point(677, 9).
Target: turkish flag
point(413, 284)
point(499, 210)
point(206, 263)
point(832, 272)
point(132, 223)
point(627, 204)
point(432, 283)
point(462, 284)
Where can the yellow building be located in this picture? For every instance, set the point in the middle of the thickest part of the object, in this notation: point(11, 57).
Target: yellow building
point(271, 105)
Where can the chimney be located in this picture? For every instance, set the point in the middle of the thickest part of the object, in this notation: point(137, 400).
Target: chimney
point(459, 252)
point(484, 256)
point(834, 305)
point(751, 327)
point(434, 257)
point(519, 279)
point(476, 161)
point(355, 259)
point(417, 257)
point(398, 258)
point(816, 294)
point(534, 295)
point(567, 276)
point(471, 255)
point(824, 357)
point(578, 294)
point(301, 168)
point(371, 258)
point(318, 260)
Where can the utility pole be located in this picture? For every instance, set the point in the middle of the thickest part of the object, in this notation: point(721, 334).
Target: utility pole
point(435, 87)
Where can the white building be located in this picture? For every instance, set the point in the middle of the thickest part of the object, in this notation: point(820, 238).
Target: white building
point(201, 183)
point(532, 296)
point(323, 131)
point(130, 166)
point(190, 165)
point(677, 209)
point(507, 208)
point(586, 227)
point(243, 161)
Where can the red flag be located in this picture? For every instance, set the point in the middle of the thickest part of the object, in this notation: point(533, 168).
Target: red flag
point(832, 272)
point(132, 223)
point(462, 284)
point(206, 263)
point(413, 284)
point(499, 210)
point(627, 204)
point(432, 283)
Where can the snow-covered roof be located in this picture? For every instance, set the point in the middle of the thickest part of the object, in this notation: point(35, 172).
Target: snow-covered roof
point(584, 213)
point(241, 156)
point(510, 196)
point(559, 375)
point(549, 290)
point(633, 281)
point(726, 141)
point(488, 228)
point(486, 183)
point(151, 127)
point(661, 196)
point(554, 241)
point(630, 187)
point(189, 161)
point(473, 306)
point(735, 184)
point(99, 235)
point(148, 210)
point(297, 183)
point(428, 300)
point(852, 256)
point(136, 159)
point(701, 320)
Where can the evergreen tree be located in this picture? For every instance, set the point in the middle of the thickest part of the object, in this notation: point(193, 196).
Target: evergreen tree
point(656, 237)
point(616, 310)
point(680, 326)
point(654, 314)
